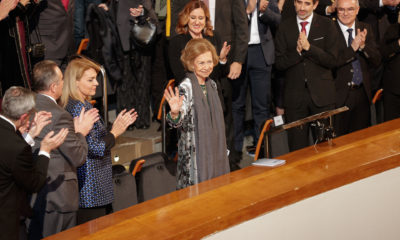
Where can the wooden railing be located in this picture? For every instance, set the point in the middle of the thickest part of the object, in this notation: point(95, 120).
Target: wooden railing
point(214, 205)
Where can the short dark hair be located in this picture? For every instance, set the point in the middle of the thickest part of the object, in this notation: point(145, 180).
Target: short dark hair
point(44, 74)
point(314, 1)
point(16, 102)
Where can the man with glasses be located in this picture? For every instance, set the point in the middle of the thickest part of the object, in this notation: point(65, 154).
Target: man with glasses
point(358, 55)
point(306, 51)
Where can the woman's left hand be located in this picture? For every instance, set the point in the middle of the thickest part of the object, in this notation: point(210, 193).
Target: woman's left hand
point(224, 52)
point(123, 121)
point(135, 12)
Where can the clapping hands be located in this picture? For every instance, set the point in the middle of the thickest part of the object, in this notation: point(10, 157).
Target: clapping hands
point(40, 120)
point(359, 40)
point(84, 123)
point(124, 119)
point(302, 43)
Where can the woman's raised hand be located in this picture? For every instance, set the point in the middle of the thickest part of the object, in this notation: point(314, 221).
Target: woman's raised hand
point(174, 101)
point(224, 52)
point(124, 119)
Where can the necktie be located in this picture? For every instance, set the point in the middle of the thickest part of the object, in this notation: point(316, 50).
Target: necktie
point(65, 4)
point(357, 74)
point(303, 27)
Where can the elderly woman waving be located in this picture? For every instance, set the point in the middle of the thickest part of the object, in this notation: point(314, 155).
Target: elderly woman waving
point(197, 114)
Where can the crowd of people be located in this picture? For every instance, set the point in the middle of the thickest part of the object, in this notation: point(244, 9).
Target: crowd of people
point(295, 58)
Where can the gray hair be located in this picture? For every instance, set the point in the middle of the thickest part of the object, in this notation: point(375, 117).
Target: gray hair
point(44, 74)
point(16, 102)
point(355, 1)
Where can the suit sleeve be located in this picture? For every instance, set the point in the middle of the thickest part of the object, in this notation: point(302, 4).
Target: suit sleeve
point(152, 14)
point(74, 148)
point(370, 51)
point(326, 57)
point(28, 173)
point(391, 45)
point(240, 24)
point(285, 56)
point(272, 15)
point(174, 56)
point(369, 4)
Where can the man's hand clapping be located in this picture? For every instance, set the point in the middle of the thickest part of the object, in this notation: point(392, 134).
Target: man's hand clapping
point(51, 142)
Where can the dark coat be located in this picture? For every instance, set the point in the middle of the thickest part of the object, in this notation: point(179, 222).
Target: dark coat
point(391, 57)
point(19, 175)
point(369, 58)
point(313, 66)
point(267, 24)
point(61, 191)
point(56, 26)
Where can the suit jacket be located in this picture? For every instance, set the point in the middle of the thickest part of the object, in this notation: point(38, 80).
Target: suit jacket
point(60, 192)
point(55, 26)
point(369, 58)
point(19, 175)
point(266, 23)
point(391, 56)
point(313, 66)
point(231, 25)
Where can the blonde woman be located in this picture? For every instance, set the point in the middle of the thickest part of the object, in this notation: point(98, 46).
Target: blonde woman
point(95, 176)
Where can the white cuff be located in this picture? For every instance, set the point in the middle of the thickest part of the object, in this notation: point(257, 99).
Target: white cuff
point(44, 153)
point(29, 139)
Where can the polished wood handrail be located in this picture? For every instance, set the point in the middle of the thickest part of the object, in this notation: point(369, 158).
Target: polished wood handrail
point(217, 204)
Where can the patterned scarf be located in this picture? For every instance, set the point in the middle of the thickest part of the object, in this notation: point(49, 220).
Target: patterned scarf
point(211, 154)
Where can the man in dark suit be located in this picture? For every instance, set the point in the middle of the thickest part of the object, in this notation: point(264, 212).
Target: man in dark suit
point(56, 204)
point(263, 16)
point(54, 21)
point(306, 50)
point(19, 173)
point(357, 56)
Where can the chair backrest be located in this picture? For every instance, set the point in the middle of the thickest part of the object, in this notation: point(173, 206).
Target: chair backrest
point(156, 178)
point(125, 190)
point(138, 166)
point(264, 130)
point(377, 96)
point(83, 45)
point(171, 83)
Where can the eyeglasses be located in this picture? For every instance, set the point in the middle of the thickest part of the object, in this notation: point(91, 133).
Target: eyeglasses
point(348, 10)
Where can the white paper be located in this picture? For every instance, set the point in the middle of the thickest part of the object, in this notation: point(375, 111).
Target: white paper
point(268, 162)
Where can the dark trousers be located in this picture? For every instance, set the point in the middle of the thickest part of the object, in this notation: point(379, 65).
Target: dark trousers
point(391, 105)
point(298, 137)
point(358, 115)
point(88, 214)
point(49, 223)
point(257, 75)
